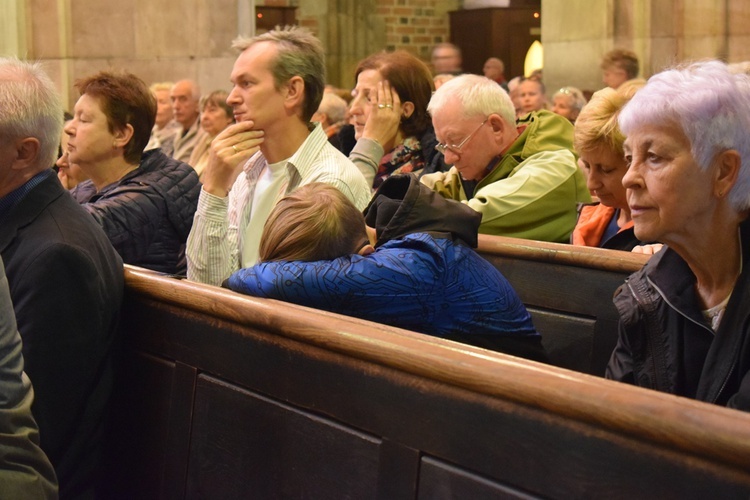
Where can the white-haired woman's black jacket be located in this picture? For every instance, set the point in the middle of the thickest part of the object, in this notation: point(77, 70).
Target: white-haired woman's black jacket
point(666, 344)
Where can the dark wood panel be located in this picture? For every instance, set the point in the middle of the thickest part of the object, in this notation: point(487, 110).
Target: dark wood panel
point(441, 481)
point(137, 450)
point(399, 469)
point(567, 339)
point(180, 429)
point(282, 385)
point(506, 33)
point(562, 287)
point(246, 445)
point(571, 304)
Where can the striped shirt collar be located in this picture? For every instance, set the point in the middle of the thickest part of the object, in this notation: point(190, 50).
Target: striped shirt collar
point(309, 152)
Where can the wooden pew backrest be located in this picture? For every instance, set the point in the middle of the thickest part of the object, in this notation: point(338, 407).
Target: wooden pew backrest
point(226, 396)
point(568, 291)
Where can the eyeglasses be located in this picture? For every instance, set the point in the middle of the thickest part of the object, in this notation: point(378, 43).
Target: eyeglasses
point(456, 148)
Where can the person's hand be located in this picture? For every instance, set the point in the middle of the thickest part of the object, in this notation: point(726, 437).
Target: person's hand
point(62, 170)
point(63, 176)
point(228, 153)
point(648, 249)
point(385, 116)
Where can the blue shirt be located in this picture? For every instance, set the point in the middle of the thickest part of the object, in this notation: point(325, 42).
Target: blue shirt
point(13, 198)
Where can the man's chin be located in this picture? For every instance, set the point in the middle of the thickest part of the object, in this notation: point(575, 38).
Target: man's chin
point(464, 175)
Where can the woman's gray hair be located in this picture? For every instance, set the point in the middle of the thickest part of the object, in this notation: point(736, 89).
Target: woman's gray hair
point(710, 104)
point(299, 54)
point(478, 95)
point(334, 107)
point(575, 97)
point(30, 107)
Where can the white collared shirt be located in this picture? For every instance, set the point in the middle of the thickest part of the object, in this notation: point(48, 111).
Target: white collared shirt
point(216, 245)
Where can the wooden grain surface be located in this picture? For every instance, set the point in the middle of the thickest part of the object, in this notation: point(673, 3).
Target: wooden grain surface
point(588, 257)
point(676, 424)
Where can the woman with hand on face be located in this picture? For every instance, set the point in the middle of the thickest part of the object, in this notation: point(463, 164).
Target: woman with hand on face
point(599, 141)
point(145, 202)
point(389, 112)
point(685, 317)
point(216, 115)
point(69, 174)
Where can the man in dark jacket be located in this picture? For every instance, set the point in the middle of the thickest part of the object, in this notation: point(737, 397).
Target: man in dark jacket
point(422, 275)
point(65, 279)
point(25, 471)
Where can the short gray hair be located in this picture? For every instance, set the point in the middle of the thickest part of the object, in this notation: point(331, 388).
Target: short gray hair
point(30, 107)
point(299, 54)
point(334, 107)
point(478, 95)
point(712, 107)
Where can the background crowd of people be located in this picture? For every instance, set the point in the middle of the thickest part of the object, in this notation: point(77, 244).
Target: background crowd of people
point(369, 203)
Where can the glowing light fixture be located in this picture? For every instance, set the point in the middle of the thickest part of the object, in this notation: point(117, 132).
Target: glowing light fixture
point(534, 58)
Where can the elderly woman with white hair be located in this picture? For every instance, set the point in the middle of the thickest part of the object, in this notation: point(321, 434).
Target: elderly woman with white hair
point(568, 102)
point(684, 318)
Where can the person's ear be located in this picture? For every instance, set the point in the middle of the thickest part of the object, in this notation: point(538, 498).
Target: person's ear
point(295, 91)
point(728, 165)
point(498, 125)
point(366, 250)
point(27, 151)
point(407, 109)
point(123, 136)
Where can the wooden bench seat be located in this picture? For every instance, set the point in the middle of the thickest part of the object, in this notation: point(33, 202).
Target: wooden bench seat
point(226, 396)
point(568, 291)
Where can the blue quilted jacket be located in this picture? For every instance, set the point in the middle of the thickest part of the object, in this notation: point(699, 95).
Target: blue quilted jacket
point(147, 214)
point(428, 281)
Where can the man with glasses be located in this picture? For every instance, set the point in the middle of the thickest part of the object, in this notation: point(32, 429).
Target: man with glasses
point(521, 176)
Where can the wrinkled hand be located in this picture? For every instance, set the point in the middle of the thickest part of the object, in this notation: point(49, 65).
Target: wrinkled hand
point(63, 176)
point(228, 153)
point(385, 116)
point(62, 170)
point(648, 249)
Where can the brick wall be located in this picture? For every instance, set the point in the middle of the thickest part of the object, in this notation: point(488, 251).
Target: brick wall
point(353, 29)
point(413, 25)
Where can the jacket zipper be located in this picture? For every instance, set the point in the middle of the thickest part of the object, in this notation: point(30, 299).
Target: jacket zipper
point(659, 370)
point(734, 352)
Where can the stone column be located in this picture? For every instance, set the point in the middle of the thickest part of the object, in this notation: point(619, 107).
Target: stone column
point(13, 32)
point(576, 33)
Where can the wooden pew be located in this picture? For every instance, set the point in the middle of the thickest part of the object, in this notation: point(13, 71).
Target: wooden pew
point(225, 396)
point(568, 291)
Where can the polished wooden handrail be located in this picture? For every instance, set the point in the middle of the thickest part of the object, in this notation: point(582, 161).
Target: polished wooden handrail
point(679, 424)
point(588, 257)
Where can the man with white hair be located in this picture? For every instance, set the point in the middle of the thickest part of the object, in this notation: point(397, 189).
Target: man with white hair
point(331, 115)
point(521, 176)
point(65, 280)
point(185, 96)
point(494, 69)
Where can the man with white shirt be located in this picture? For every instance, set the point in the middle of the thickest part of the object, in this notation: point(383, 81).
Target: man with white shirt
point(278, 82)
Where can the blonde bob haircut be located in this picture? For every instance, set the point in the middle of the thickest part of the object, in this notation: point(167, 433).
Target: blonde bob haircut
point(314, 222)
point(597, 125)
